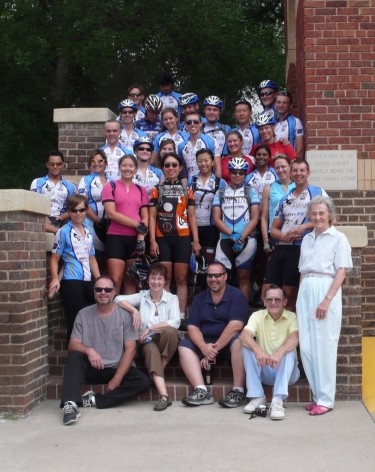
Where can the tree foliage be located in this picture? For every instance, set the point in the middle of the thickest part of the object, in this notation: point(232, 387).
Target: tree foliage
point(63, 53)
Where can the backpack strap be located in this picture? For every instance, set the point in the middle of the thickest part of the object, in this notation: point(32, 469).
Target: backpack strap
point(160, 195)
point(247, 190)
point(221, 195)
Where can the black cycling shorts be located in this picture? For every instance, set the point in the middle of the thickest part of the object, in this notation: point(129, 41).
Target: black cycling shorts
point(208, 236)
point(174, 249)
point(282, 268)
point(120, 247)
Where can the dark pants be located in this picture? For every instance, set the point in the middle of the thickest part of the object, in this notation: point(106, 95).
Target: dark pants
point(78, 369)
point(75, 294)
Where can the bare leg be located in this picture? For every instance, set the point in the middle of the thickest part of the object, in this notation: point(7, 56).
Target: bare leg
point(130, 285)
point(159, 384)
point(238, 367)
point(180, 275)
point(191, 366)
point(244, 282)
point(116, 272)
point(291, 295)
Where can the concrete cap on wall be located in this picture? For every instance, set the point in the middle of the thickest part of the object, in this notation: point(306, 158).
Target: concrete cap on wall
point(23, 200)
point(82, 115)
point(357, 235)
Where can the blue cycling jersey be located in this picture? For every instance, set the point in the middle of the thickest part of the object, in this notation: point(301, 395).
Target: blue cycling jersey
point(150, 128)
point(126, 140)
point(171, 100)
point(75, 250)
point(289, 128)
point(250, 138)
point(178, 138)
point(91, 187)
point(187, 151)
point(112, 172)
point(219, 132)
point(258, 182)
point(152, 178)
point(58, 193)
point(271, 112)
point(276, 194)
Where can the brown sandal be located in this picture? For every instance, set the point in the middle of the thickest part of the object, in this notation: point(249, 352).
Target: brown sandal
point(163, 403)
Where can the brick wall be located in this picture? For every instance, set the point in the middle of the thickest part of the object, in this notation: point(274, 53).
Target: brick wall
point(23, 312)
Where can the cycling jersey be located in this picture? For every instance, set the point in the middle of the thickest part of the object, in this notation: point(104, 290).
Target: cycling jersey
point(140, 113)
point(75, 250)
point(172, 100)
point(276, 194)
point(225, 171)
point(178, 138)
point(250, 137)
point(219, 132)
point(91, 187)
point(257, 182)
point(271, 112)
point(183, 125)
point(112, 171)
point(151, 129)
point(126, 140)
point(277, 148)
point(153, 178)
point(188, 152)
point(171, 217)
point(58, 193)
point(292, 211)
point(289, 128)
point(234, 206)
point(204, 197)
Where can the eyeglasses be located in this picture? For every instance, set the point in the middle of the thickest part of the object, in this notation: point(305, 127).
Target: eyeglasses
point(190, 122)
point(144, 149)
point(274, 300)
point(170, 164)
point(99, 161)
point(105, 289)
point(266, 94)
point(134, 95)
point(55, 164)
point(237, 172)
point(127, 112)
point(78, 210)
point(216, 276)
point(285, 93)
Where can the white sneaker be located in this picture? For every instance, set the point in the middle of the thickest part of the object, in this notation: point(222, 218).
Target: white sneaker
point(254, 403)
point(277, 411)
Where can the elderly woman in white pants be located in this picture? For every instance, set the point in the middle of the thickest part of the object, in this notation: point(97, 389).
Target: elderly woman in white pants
point(324, 262)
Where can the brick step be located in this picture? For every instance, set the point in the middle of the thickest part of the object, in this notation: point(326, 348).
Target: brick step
point(180, 388)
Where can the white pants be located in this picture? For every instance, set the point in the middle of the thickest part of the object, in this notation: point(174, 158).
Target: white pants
point(319, 339)
point(287, 374)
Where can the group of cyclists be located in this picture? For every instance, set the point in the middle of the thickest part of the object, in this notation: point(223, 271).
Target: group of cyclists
point(171, 183)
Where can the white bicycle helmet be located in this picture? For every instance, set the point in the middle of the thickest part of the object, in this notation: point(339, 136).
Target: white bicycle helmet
point(238, 163)
point(153, 103)
point(188, 99)
point(268, 84)
point(263, 120)
point(127, 103)
point(214, 101)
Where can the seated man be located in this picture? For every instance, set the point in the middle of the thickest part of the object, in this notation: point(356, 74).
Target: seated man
point(101, 350)
point(216, 317)
point(271, 358)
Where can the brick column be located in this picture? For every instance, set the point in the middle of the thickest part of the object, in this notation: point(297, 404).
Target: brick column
point(80, 132)
point(23, 311)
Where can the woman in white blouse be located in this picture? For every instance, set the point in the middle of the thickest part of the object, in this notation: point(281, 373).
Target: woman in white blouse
point(324, 262)
point(157, 314)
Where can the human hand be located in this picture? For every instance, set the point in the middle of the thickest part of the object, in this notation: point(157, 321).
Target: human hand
point(140, 247)
point(267, 248)
point(237, 247)
point(210, 351)
point(154, 249)
point(205, 362)
point(53, 287)
point(236, 237)
point(274, 360)
point(95, 359)
point(196, 248)
point(112, 384)
point(261, 358)
point(143, 334)
point(322, 310)
point(137, 320)
point(142, 228)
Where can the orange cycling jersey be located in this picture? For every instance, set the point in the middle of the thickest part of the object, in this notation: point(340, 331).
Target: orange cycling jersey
point(171, 216)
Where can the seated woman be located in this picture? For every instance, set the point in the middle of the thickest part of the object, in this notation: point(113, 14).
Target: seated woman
point(157, 313)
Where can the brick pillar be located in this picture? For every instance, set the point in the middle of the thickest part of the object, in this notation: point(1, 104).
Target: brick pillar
point(80, 132)
point(23, 311)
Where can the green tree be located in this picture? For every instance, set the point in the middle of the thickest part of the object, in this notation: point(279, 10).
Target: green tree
point(58, 53)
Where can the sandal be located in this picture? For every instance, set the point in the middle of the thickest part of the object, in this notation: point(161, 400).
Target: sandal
point(163, 403)
point(319, 410)
point(310, 407)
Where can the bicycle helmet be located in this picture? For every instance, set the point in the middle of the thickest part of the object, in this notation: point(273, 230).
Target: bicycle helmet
point(264, 119)
point(213, 101)
point(268, 84)
point(139, 269)
point(143, 140)
point(188, 99)
point(198, 264)
point(238, 163)
point(153, 103)
point(127, 103)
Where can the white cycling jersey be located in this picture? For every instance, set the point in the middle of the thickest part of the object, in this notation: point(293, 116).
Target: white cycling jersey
point(127, 140)
point(289, 128)
point(258, 182)
point(188, 152)
point(112, 171)
point(152, 178)
point(218, 132)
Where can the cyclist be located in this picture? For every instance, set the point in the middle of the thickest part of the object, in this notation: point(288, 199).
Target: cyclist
point(249, 132)
point(146, 175)
point(113, 148)
point(168, 97)
point(267, 94)
point(169, 117)
point(169, 145)
point(287, 126)
point(151, 123)
point(235, 146)
point(129, 133)
point(236, 213)
point(189, 103)
point(213, 106)
point(136, 93)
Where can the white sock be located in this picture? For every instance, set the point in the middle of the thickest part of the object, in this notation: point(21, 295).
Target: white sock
point(278, 399)
point(182, 315)
point(239, 389)
point(203, 387)
point(256, 287)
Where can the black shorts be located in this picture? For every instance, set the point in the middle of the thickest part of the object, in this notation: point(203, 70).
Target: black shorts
point(208, 236)
point(174, 249)
point(224, 353)
point(120, 247)
point(282, 268)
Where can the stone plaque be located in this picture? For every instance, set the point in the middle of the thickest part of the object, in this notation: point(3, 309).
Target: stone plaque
point(333, 170)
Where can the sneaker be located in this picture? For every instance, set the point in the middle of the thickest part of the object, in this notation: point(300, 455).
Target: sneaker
point(87, 399)
point(277, 411)
point(163, 403)
point(183, 325)
point(71, 413)
point(254, 403)
point(198, 397)
point(255, 298)
point(233, 399)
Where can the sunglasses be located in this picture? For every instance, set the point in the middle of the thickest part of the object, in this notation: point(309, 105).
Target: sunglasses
point(127, 112)
point(273, 300)
point(216, 276)
point(55, 164)
point(144, 149)
point(190, 122)
point(78, 210)
point(105, 289)
point(134, 95)
point(285, 93)
point(237, 172)
point(171, 164)
point(99, 161)
point(266, 94)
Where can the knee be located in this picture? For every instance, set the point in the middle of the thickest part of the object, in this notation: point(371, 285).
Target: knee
point(170, 332)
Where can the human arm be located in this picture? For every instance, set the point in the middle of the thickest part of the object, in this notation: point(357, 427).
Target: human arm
point(110, 209)
point(131, 303)
point(218, 166)
point(264, 223)
point(323, 307)
point(248, 341)
point(290, 344)
point(232, 328)
point(123, 367)
point(154, 248)
point(194, 230)
point(92, 215)
point(299, 146)
point(94, 357)
point(144, 214)
point(254, 218)
point(94, 267)
point(53, 267)
point(208, 349)
point(219, 223)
